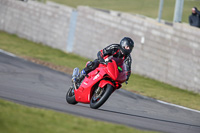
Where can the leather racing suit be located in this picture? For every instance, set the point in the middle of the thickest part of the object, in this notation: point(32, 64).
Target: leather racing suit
point(111, 50)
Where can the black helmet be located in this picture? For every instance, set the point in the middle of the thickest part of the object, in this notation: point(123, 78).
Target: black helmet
point(126, 41)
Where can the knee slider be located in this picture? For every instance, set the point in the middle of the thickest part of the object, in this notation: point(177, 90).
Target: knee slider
point(90, 65)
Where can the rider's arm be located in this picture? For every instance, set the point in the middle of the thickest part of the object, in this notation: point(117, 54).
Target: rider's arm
point(107, 51)
point(128, 62)
point(110, 50)
point(197, 11)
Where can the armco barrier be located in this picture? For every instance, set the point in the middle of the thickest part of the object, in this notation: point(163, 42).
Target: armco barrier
point(170, 54)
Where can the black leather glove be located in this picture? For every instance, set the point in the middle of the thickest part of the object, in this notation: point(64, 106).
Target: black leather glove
point(107, 52)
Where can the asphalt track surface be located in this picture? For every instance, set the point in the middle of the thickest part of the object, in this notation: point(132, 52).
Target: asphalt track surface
point(34, 85)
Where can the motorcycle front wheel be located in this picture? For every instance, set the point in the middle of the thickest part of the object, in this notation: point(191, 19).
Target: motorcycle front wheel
point(100, 96)
point(70, 96)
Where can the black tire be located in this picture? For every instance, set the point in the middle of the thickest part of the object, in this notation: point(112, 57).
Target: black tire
point(96, 103)
point(70, 97)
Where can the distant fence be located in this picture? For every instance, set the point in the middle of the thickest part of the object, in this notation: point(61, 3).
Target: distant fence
point(170, 54)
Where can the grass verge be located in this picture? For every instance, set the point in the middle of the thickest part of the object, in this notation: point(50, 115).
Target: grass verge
point(144, 7)
point(139, 84)
point(15, 118)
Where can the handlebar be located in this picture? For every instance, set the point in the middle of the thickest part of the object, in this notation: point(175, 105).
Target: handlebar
point(108, 59)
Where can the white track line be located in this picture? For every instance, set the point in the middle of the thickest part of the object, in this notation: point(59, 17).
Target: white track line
point(182, 107)
point(5, 52)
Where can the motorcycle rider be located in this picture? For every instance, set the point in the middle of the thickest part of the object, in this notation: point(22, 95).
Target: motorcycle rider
point(121, 50)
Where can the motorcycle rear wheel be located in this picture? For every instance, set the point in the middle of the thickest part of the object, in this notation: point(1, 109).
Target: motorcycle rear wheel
point(70, 96)
point(98, 100)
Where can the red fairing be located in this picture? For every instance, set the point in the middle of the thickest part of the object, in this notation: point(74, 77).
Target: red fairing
point(122, 74)
point(113, 73)
point(112, 70)
point(105, 82)
point(83, 93)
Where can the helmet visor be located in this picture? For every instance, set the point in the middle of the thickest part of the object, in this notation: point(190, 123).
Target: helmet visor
point(126, 47)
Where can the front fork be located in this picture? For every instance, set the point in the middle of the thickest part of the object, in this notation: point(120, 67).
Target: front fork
point(98, 93)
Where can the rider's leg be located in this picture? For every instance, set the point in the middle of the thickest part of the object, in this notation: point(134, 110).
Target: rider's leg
point(90, 67)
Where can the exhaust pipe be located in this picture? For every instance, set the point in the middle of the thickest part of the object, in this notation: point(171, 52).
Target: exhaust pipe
point(75, 72)
point(74, 76)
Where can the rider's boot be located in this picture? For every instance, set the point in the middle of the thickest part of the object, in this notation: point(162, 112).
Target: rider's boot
point(81, 76)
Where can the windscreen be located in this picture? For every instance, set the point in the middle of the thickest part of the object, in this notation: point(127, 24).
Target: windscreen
point(120, 63)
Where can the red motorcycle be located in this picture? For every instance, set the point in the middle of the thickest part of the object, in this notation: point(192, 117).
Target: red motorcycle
point(98, 85)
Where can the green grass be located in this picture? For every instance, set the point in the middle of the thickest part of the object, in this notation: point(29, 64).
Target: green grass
point(144, 7)
point(23, 47)
point(162, 91)
point(15, 118)
point(137, 83)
